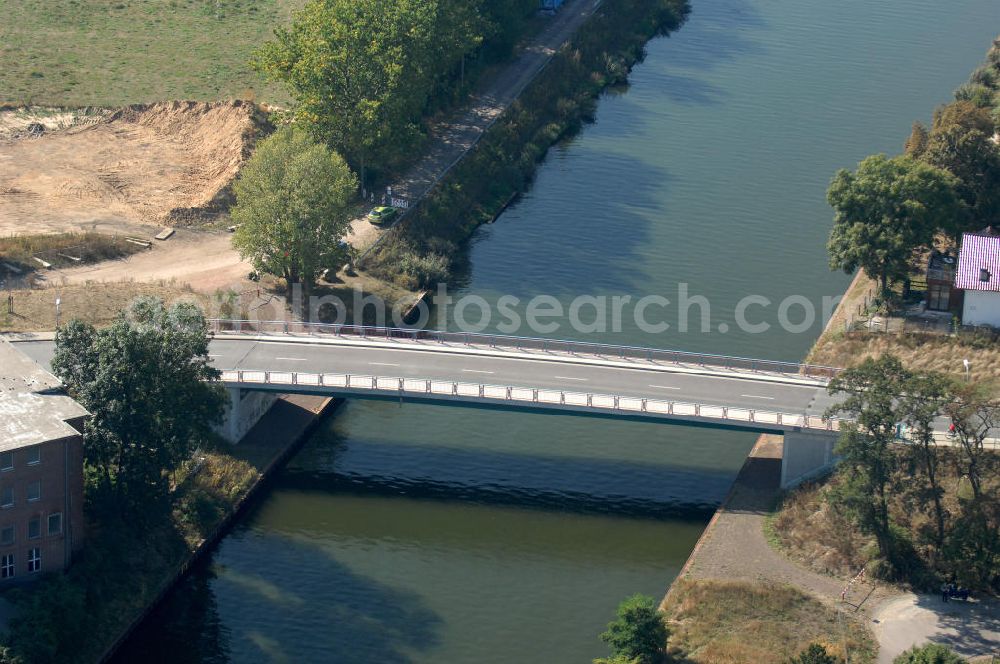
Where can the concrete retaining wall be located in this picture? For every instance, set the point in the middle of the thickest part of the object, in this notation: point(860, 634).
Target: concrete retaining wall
point(245, 408)
point(806, 455)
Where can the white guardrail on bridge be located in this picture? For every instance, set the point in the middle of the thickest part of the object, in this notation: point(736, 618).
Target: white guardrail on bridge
point(387, 385)
point(496, 341)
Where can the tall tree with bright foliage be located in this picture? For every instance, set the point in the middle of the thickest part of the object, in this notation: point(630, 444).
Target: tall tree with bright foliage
point(361, 71)
point(293, 208)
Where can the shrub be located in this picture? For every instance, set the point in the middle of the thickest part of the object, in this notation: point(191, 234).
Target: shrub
point(426, 270)
point(930, 653)
point(639, 633)
point(985, 76)
point(814, 654)
point(980, 95)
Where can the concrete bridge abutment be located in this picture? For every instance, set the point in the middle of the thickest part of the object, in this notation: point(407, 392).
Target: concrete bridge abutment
point(806, 454)
point(243, 410)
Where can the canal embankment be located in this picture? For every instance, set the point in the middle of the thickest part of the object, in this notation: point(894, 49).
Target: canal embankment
point(557, 101)
point(553, 102)
point(738, 571)
point(735, 578)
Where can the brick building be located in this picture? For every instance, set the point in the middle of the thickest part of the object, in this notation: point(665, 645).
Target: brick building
point(41, 470)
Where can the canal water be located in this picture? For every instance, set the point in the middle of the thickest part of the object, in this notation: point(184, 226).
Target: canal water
point(435, 534)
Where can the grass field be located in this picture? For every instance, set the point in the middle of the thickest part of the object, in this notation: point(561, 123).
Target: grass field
point(735, 622)
point(114, 52)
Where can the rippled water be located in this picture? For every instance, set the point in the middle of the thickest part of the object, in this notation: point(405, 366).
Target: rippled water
point(437, 534)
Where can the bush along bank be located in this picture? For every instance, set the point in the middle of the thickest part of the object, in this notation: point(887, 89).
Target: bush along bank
point(557, 104)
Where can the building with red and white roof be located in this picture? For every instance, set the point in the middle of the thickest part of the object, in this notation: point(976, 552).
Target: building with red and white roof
point(978, 275)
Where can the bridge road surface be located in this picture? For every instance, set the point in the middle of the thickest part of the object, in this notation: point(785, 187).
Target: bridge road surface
point(664, 382)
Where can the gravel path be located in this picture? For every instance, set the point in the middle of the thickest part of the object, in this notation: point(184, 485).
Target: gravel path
point(968, 628)
point(733, 545)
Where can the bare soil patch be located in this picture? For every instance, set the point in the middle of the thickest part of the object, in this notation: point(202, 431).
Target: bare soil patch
point(206, 261)
point(146, 164)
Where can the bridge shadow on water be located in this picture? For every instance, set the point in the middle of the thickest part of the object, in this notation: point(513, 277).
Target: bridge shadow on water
point(568, 484)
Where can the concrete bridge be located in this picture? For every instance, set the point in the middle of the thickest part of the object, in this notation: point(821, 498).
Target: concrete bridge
point(260, 360)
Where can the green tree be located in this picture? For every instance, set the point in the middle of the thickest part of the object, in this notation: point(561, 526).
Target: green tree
point(48, 618)
point(867, 462)
point(639, 633)
point(980, 95)
point(814, 654)
point(925, 397)
point(972, 157)
point(506, 20)
point(362, 71)
point(975, 414)
point(152, 396)
point(293, 207)
point(885, 210)
point(973, 545)
point(930, 653)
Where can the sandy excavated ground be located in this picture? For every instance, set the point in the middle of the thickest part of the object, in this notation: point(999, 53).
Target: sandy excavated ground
point(206, 261)
point(138, 165)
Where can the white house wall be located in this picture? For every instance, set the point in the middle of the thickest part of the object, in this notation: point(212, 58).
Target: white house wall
point(981, 308)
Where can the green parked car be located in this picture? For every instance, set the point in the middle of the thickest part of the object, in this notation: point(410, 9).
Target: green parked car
point(382, 215)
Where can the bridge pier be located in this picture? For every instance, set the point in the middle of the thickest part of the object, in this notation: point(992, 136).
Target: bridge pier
point(806, 454)
point(244, 409)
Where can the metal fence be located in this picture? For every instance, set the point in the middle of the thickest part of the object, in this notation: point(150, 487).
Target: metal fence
point(392, 386)
point(943, 439)
point(900, 324)
point(524, 344)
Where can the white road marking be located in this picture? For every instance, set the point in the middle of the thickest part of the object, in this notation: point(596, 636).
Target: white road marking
point(292, 359)
point(665, 387)
point(384, 364)
point(756, 396)
point(568, 378)
point(477, 371)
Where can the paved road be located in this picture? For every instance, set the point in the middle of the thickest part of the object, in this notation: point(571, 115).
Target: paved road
point(663, 382)
point(969, 628)
point(453, 138)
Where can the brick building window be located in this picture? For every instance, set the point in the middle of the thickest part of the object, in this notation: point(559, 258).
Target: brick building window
point(6, 460)
point(34, 455)
point(34, 559)
point(34, 491)
point(35, 528)
point(7, 535)
point(7, 566)
point(55, 523)
point(7, 497)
